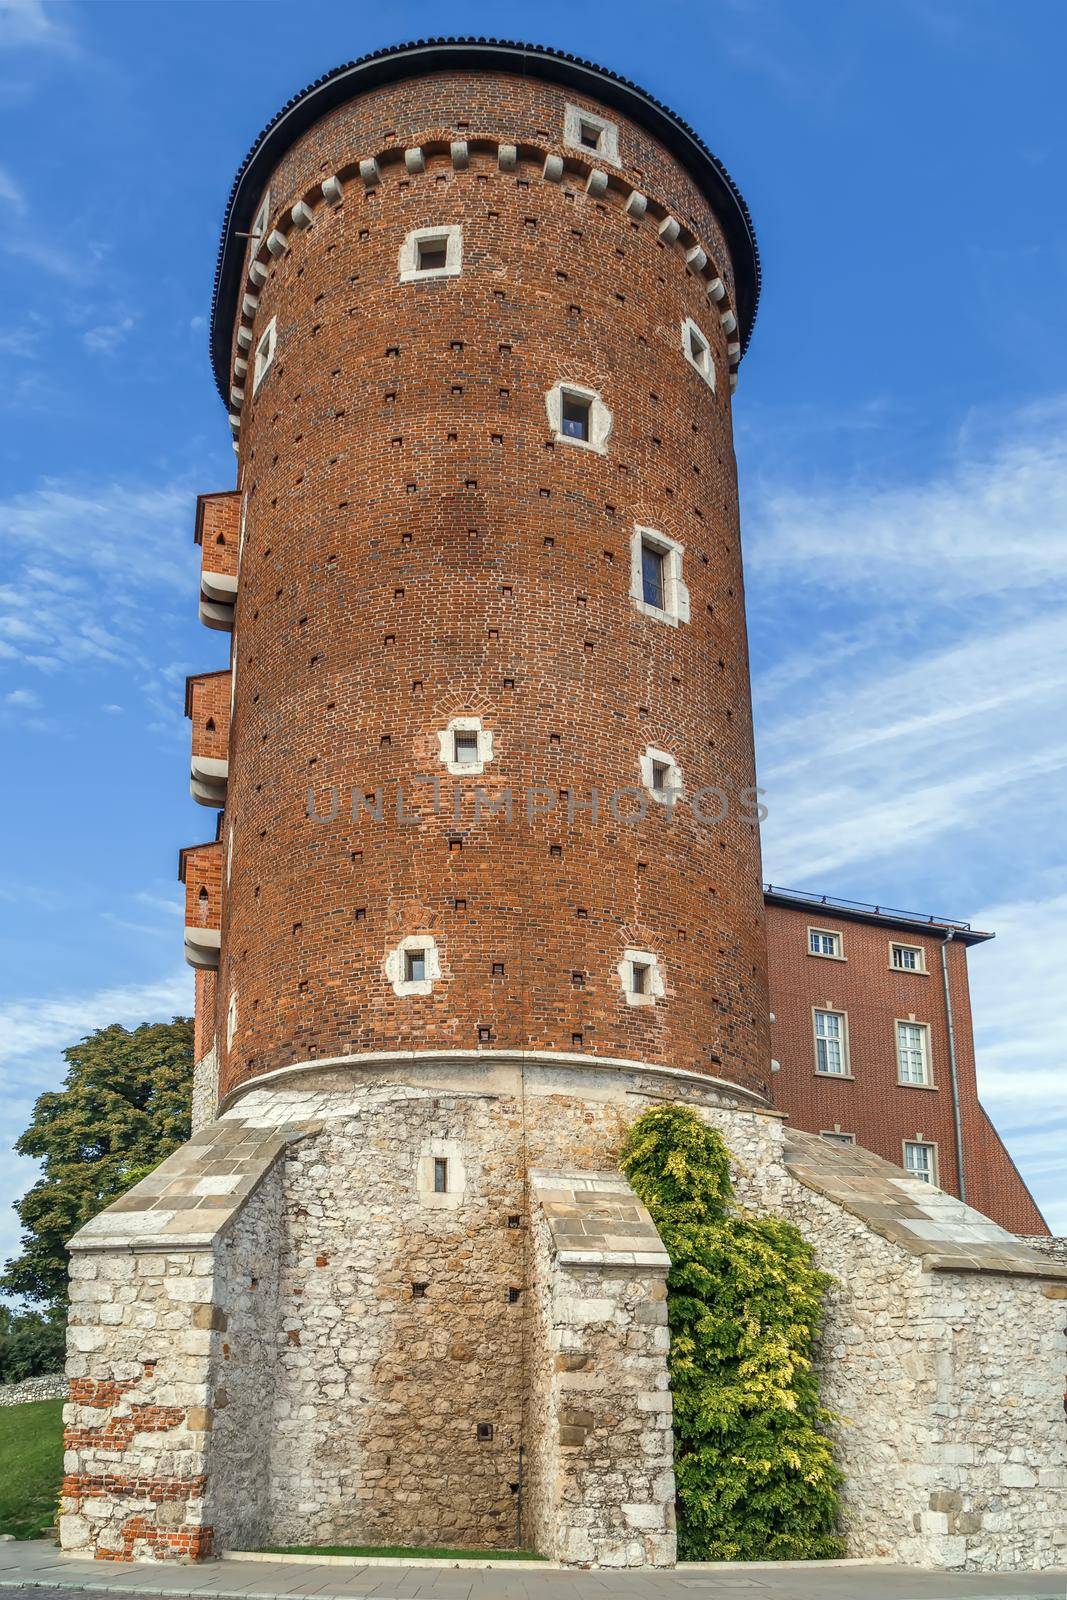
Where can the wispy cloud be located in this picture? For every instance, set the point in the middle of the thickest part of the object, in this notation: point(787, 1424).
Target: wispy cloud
point(30, 24)
point(107, 337)
point(28, 1027)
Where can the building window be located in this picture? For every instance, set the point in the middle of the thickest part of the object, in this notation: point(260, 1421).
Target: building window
point(913, 1052)
point(578, 416)
point(431, 253)
point(641, 978)
point(585, 130)
point(697, 351)
point(414, 966)
point(661, 775)
point(831, 1043)
point(264, 353)
point(920, 1160)
point(821, 942)
point(258, 231)
point(231, 1019)
point(440, 1174)
point(656, 586)
point(465, 748)
point(907, 957)
point(835, 1136)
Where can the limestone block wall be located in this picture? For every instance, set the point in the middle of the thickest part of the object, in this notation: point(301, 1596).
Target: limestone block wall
point(600, 1478)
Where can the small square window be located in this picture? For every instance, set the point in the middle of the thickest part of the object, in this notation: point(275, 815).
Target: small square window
point(589, 135)
point(484, 1431)
point(440, 1174)
point(431, 255)
point(575, 414)
point(418, 1291)
point(660, 774)
point(464, 747)
point(653, 587)
point(638, 978)
point(414, 966)
point(836, 1137)
point(821, 942)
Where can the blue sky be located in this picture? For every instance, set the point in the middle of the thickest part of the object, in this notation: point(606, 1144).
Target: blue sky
point(901, 439)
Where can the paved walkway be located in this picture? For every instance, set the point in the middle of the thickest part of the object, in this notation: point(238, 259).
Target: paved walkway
point(35, 1568)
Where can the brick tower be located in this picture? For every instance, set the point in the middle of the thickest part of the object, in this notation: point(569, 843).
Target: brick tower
point(486, 882)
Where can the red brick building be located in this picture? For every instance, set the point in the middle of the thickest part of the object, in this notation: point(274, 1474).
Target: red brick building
point(872, 1043)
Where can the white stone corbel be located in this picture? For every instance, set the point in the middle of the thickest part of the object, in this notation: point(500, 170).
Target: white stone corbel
point(249, 307)
point(507, 157)
point(716, 290)
point(240, 367)
point(553, 168)
point(235, 423)
point(733, 352)
point(669, 229)
point(244, 339)
point(257, 274)
point(733, 382)
point(414, 159)
point(237, 396)
point(636, 204)
point(597, 182)
point(696, 258)
point(277, 243)
point(302, 215)
point(461, 154)
point(369, 171)
point(333, 190)
point(729, 322)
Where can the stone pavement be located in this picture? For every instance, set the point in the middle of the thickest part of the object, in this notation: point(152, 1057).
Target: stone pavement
point(37, 1571)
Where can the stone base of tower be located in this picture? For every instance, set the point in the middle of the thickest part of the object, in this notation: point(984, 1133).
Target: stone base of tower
point(408, 1302)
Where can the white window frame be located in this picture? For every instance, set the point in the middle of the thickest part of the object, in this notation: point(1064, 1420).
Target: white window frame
point(655, 987)
point(607, 148)
point(836, 954)
point(835, 1136)
point(916, 949)
point(449, 1199)
point(396, 965)
point(705, 366)
point(673, 789)
point(260, 225)
point(231, 1019)
point(265, 348)
point(601, 420)
point(675, 593)
point(841, 1040)
point(913, 1172)
point(450, 234)
point(446, 747)
point(923, 1029)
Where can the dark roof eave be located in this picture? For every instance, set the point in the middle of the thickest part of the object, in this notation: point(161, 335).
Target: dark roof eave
point(435, 55)
point(903, 921)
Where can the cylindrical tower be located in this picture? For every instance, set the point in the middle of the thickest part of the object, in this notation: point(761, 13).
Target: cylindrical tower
point(478, 318)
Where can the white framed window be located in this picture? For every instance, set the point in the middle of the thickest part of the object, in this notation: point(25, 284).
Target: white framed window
point(913, 1052)
point(432, 253)
point(824, 942)
point(414, 966)
point(264, 353)
point(261, 224)
point(661, 775)
point(465, 748)
point(440, 1175)
point(641, 978)
point(596, 135)
point(231, 1019)
point(920, 1160)
point(697, 349)
point(835, 1136)
point(907, 957)
point(579, 416)
point(831, 1043)
point(656, 586)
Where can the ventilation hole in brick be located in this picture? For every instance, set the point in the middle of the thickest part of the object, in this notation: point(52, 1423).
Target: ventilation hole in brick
point(506, 589)
point(470, 483)
point(642, 866)
point(455, 843)
point(582, 912)
point(621, 298)
point(589, 646)
point(405, 538)
point(555, 738)
point(485, 1035)
point(451, 437)
point(297, 928)
point(392, 350)
point(389, 638)
point(609, 510)
point(459, 905)
point(504, 349)
point(457, 344)
point(574, 311)
point(357, 855)
point(416, 686)
point(316, 658)
point(582, 599)
point(361, 911)
point(509, 683)
point(578, 980)
point(496, 438)
point(577, 1040)
point(498, 969)
point(555, 851)
point(385, 740)
point(457, 388)
point(472, 533)
point(398, 594)
point(255, 892)
point(642, 711)
point(396, 441)
point(494, 633)
point(656, 442)
point(561, 276)
point(529, 222)
point(390, 397)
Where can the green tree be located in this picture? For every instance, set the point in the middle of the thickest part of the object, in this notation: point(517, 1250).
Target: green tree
point(30, 1344)
point(753, 1460)
point(124, 1106)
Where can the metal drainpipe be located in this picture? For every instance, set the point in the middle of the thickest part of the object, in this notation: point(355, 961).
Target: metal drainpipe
point(957, 1125)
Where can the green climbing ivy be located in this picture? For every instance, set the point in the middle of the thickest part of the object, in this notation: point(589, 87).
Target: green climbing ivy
point(753, 1461)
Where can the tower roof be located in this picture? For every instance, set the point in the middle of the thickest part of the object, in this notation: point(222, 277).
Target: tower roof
point(437, 55)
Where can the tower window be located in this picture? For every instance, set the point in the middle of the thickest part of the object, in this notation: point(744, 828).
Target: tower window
point(638, 977)
point(585, 130)
point(641, 978)
point(589, 135)
point(697, 351)
point(656, 585)
point(653, 582)
point(575, 411)
point(431, 253)
point(484, 1431)
point(661, 775)
point(464, 747)
point(440, 1174)
point(265, 353)
point(414, 966)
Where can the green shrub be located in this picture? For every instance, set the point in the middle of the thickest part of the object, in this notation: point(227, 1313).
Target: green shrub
point(753, 1461)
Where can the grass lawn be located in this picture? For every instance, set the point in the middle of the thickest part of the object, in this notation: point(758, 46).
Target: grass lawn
point(31, 1467)
point(406, 1552)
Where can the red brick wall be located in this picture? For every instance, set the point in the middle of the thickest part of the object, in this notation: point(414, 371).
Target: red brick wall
point(207, 700)
point(873, 1105)
point(416, 546)
point(201, 872)
point(218, 526)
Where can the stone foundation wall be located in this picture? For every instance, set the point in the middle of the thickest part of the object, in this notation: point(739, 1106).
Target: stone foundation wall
point(50, 1386)
point(288, 1335)
point(205, 1089)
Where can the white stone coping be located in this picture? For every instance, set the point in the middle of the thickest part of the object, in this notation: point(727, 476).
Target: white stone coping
point(375, 1060)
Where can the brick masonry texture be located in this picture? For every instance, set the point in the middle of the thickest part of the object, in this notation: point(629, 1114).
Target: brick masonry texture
point(873, 1105)
point(419, 546)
